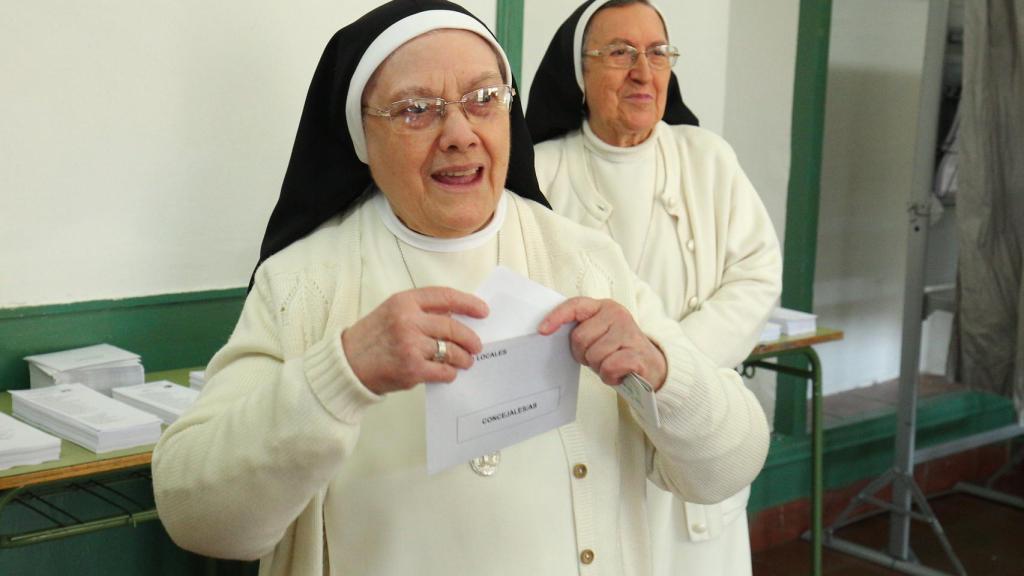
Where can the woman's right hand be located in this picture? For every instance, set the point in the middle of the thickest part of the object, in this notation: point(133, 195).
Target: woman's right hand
point(392, 348)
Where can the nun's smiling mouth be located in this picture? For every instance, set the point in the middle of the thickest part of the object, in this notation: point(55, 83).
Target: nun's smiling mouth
point(459, 176)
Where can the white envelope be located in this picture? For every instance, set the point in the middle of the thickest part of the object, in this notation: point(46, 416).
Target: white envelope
point(522, 384)
point(517, 305)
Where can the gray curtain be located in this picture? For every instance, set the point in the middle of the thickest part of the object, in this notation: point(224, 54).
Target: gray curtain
point(987, 350)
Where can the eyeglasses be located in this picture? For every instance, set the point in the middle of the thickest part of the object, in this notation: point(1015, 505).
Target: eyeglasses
point(659, 57)
point(420, 114)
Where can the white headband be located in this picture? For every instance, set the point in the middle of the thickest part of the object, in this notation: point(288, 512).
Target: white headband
point(397, 34)
point(581, 27)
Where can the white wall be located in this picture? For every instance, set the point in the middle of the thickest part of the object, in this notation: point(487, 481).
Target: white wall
point(702, 30)
point(758, 112)
point(759, 95)
point(877, 49)
point(143, 144)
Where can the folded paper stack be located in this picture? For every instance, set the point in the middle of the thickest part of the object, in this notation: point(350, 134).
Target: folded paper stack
point(86, 417)
point(21, 444)
point(100, 367)
point(162, 398)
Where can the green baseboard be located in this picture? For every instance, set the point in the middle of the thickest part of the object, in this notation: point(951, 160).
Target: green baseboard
point(168, 331)
point(864, 448)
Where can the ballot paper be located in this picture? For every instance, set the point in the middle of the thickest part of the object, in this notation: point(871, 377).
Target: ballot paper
point(162, 398)
point(21, 444)
point(794, 322)
point(197, 379)
point(522, 384)
point(100, 367)
point(639, 394)
point(85, 417)
point(770, 332)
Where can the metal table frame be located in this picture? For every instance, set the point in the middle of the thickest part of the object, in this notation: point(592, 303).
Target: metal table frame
point(801, 348)
point(95, 479)
point(43, 501)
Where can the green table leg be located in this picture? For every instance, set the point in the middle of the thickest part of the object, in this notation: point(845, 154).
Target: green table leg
point(817, 437)
point(817, 462)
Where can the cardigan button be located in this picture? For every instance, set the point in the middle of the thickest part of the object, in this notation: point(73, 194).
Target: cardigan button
point(690, 245)
point(699, 528)
point(693, 302)
point(587, 556)
point(579, 471)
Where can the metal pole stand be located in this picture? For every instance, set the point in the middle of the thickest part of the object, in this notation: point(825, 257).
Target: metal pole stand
point(905, 492)
point(908, 564)
point(988, 491)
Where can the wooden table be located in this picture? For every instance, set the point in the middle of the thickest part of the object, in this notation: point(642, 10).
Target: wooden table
point(77, 463)
point(796, 420)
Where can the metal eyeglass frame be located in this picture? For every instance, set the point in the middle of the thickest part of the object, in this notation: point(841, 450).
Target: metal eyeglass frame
point(394, 110)
point(672, 53)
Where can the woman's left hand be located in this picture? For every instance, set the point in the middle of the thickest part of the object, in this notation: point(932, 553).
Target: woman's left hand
point(608, 340)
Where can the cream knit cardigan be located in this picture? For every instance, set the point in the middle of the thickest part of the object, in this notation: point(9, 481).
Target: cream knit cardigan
point(733, 266)
point(731, 261)
point(243, 474)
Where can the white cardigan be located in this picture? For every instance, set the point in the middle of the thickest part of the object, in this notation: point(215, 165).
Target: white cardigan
point(245, 472)
point(731, 252)
point(732, 268)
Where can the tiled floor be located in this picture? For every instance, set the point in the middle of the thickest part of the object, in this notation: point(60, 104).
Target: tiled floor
point(860, 403)
point(988, 537)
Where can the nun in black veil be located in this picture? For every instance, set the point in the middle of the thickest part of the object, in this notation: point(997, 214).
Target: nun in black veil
point(620, 152)
point(410, 180)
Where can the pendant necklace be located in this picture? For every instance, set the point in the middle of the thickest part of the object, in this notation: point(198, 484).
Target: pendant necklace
point(487, 465)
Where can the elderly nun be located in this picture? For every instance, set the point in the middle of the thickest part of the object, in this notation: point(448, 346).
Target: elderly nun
point(410, 180)
point(618, 151)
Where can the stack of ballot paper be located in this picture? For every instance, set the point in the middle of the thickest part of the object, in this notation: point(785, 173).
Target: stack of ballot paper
point(21, 444)
point(100, 367)
point(771, 331)
point(197, 379)
point(161, 398)
point(793, 321)
point(86, 417)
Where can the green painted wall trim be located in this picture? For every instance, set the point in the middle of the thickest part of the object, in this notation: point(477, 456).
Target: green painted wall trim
point(138, 302)
point(808, 130)
point(168, 331)
point(800, 245)
point(864, 448)
point(510, 33)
